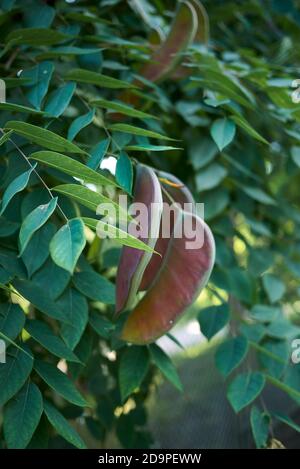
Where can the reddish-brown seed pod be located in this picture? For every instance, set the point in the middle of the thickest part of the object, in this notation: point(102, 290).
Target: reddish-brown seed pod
point(133, 261)
point(183, 275)
point(168, 55)
point(181, 195)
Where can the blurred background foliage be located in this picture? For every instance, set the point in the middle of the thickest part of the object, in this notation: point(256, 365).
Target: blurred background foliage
point(229, 100)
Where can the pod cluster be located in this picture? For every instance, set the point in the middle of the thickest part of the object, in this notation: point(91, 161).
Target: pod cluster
point(173, 276)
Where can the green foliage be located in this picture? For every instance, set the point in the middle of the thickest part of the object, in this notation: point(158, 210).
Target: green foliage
point(85, 84)
point(22, 415)
point(260, 426)
point(223, 132)
point(230, 354)
point(67, 244)
point(213, 319)
point(62, 426)
point(244, 389)
point(134, 364)
point(165, 365)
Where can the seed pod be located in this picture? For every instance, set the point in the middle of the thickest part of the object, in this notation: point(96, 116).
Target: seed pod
point(202, 34)
point(133, 261)
point(169, 54)
point(181, 195)
point(181, 35)
point(202, 37)
point(182, 276)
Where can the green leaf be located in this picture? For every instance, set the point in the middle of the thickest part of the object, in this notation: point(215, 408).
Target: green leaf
point(17, 185)
point(5, 276)
point(223, 132)
point(52, 279)
point(259, 195)
point(59, 382)
point(35, 220)
point(72, 167)
point(67, 244)
point(101, 325)
point(79, 123)
point(59, 100)
point(282, 328)
point(35, 37)
point(44, 335)
point(39, 298)
point(287, 421)
point(11, 263)
point(12, 320)
point(133, 368)
point(122, 109)
point(230, 354)
point(85, 76)
point(295, 152)
point(38, 78)
point(37, 250)
point(62, 426)
point(265, 313)
point(241, 284)
point(91, 199)
point(120, 236)
point(98, 153)
point(22, 415)
point(149, 147)
point(244, 389)
point(4, 337)
point(124, 172)
point(274, 356)
point(95, 286)
point(44, 138)
point(260, 422)
point(41, 15)
point(210, 177)
point(253, 332)
point(202, 151)
point(215, 202)
point(75, 307)
point(244, 124)
point(6, 135)
point(14, 373)
point(12, 107)
point(260, 260)
point(130, 129)
point(213, 319)
point(8, 228)
point(67, 51)
point(273, 287)
point(164, 363)
point(220, 82)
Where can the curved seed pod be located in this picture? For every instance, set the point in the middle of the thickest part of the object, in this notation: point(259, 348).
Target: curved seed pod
point(182, 196)
point(166, 57)
point(202, 36)
point(182, 33)
point(133, 261)
point(183, 275)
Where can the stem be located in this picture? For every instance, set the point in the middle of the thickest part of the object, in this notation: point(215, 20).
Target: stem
point(214, 292)
point(284, 387)
point(263, 350)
